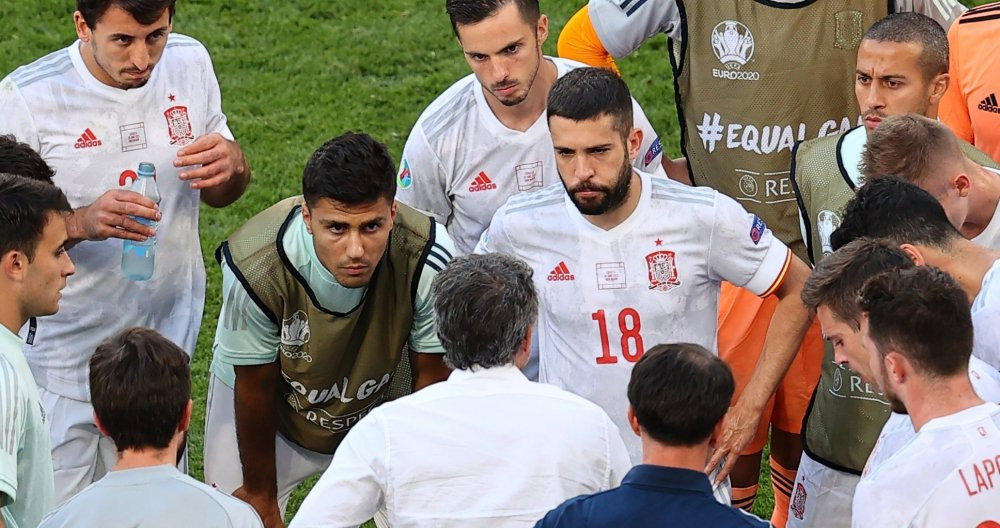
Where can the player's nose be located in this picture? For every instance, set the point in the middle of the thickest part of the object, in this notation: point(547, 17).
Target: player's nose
point(140, 56)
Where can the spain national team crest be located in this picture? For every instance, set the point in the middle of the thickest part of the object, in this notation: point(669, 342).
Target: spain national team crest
point(799, 502)
point(662, 266)
point(179, 125)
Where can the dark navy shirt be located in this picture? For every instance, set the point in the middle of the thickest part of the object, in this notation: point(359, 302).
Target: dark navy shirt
point(651, 496)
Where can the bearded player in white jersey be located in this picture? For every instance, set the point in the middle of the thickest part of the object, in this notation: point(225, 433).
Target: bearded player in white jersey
point(624, 261)
point(486, 138)
point(918, 332)
point(126, 92)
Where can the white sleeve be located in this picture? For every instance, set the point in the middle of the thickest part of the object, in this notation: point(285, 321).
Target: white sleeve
point(744, 251)
point(943, 12)
point(623, 25)
point(986, 335)
point(12, 418)
point(423, 331)
point(494, 239)
point(650, 157)
point(244, 335)
point(423, 182)
point(352, 489)
point(16, 118)
point(216, 119)
point(618, 457)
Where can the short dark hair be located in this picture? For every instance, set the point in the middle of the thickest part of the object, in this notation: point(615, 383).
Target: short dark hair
point(463, 12)
point(911, 147)
point(910, 27)
point(898, 211)
point(25, 206)
point(493, 287)
point(679, 393)
point(589, 93)
point(140, 385)
point(144, 12)
point(837, 279)
point(923, 314)
point(352, 169)
point(20, 159)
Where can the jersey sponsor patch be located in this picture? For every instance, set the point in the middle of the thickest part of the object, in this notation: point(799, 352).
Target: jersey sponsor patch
point(561, 273)
point(482, 183)
point(655, 149)
point(405, 178)
point(757, 229)
point(662, 269)
point(87, 140)
point(611, 276)
point(133, 136)
point(529, 176)
point(179, 125)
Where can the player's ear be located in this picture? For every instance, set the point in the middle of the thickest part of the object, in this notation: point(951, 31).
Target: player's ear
point(542, 29)
point(633, 422)
point(185, 418)
point(897, 367)
point(634, 143)
point(915, 255)
point(523, 353)
point(939, 85)
point(962, 184)
point(307, 217)
point(14, 264)
point(82, 30)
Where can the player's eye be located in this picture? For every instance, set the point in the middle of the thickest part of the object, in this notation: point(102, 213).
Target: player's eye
point(123, 40)
point(371, 228)
point(477, 58)
point(157, 35)
point(510, 50)
point(863, 79)
point(893, 84)
point(564, 153)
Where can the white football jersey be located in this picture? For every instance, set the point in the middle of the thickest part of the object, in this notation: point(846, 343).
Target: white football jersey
point(460, 163)
point(608, 296)
point(623, 25)
point(945, 475)
point(986, 318)
point(94, 137)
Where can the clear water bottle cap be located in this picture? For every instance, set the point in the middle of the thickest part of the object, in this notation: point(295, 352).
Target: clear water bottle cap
point(147, 169)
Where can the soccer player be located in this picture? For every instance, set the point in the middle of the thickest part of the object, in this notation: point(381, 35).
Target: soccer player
point(140, 387)
point(677, 397)
point(34, 266)
point(926, 153)
point(484, 448)
point(751, 79)
point(902, 67)
point(970, 106)
point(485, 138)
point(911, 218)
point(126, 92)
point(920, 336)
point(623, 259)
point(321, 293)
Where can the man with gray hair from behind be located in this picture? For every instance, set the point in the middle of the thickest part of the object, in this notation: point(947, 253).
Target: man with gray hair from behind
point(485, 448)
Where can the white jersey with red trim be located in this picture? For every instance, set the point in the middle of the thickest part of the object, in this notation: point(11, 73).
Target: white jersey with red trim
point(948, 474)
point(609, 295)
point(623, 25)
point(460, 163)
point(94, 136)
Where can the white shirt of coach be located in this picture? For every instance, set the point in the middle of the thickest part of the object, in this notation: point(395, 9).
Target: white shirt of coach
point(485, 448)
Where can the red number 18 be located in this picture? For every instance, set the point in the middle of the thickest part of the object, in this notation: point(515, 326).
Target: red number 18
point(629, 325)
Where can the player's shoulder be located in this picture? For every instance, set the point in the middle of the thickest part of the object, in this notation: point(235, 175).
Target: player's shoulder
point(185, 49)
point(448, 109)
point(233, 508)
point(667, 190)
point(984, 15)
point(531, 203)
point(178, 41)
point(441, 250)
point(51, 65)
point(564, 66)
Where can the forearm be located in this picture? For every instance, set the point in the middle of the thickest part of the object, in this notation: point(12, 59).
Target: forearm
point(427, 369)
point(677, 169)
point(230, 191)
point(256, 426)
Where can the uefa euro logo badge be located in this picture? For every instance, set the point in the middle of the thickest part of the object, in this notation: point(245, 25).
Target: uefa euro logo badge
point(733, 43)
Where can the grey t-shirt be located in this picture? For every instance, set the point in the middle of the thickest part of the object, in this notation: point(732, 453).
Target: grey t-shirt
point(151, 497)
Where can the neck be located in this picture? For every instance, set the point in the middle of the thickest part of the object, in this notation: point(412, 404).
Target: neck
point(983, 199)
point(968, 263)
point(941, 398)
point(520, 117)
point(11, 315)
point(91, 63)
point(684, 457)
point(612, 219)
point(140, 458)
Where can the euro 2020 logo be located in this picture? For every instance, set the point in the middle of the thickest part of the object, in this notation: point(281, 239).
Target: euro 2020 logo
point(733, 43)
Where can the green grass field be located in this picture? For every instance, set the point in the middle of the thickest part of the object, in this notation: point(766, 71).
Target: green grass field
point(295, 73)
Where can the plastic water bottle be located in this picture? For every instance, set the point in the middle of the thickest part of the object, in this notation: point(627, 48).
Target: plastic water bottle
point(138, 257)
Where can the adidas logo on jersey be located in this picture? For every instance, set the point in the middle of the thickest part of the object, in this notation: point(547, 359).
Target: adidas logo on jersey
point(482, 183)
point(990, 104)
point(87, 140)
point(561, 273)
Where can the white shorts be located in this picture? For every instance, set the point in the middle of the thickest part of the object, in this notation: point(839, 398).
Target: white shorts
point(822, 496)
point(80, 453)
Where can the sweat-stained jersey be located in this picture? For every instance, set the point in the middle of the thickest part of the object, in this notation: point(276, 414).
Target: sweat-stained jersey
point(608, 296)
point(460, 163)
